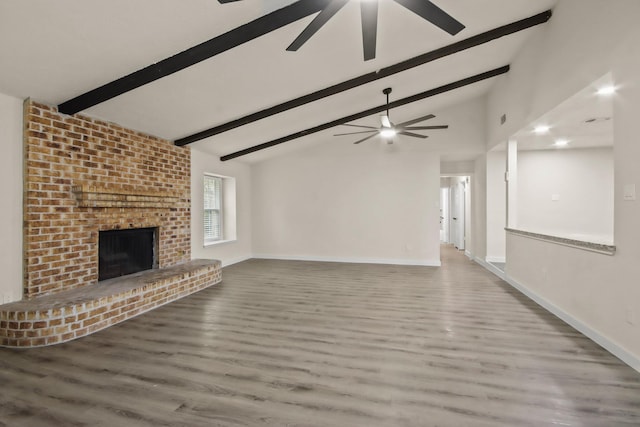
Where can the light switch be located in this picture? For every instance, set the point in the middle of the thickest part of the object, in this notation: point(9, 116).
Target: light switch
point(629, 192)
point(555, 197)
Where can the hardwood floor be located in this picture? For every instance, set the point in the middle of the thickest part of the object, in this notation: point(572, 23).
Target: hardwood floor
point(284, 343)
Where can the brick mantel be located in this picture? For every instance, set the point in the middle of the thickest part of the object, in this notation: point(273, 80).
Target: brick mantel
point(92, 196)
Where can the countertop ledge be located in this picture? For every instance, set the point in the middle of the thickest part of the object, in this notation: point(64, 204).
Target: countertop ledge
point(580, 244)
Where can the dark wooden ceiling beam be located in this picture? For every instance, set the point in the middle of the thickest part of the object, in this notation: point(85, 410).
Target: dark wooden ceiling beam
point(417, 97)
point(189, 57)
point(425, 58)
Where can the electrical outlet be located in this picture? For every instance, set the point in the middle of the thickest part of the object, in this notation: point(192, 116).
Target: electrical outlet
point(6, 298)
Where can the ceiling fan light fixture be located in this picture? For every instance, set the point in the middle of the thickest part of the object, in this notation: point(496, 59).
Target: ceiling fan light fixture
point(388, 132)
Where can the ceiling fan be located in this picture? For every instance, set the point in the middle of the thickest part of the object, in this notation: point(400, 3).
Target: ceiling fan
point(388, 129)
point(369, 16)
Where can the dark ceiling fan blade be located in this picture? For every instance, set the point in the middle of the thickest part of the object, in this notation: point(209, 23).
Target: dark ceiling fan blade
point(433, 14)
point(426, 127)
point(355, 133)
point(369, 15)
point(414, 135)
point(364, 139)
point(317, 23)
point(358, 126)
point(419, 119)
point(226, 1)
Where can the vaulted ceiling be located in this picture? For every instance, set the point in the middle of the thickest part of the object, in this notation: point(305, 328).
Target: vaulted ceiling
point(55, 51)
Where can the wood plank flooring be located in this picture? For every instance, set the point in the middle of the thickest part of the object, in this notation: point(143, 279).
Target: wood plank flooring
point(292, 343)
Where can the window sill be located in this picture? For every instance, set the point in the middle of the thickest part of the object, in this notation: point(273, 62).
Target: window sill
point(219, 242)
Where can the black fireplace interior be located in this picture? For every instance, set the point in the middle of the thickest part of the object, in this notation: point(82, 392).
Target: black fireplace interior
point(125, 252)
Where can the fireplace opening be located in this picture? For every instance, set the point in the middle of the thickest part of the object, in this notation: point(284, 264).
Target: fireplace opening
point(123, 252)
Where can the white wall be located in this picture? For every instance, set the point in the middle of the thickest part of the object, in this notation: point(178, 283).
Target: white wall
point(479, 209)
point(469, 240)
point(457, 168)
point(345, 202)
point(11, 191)
point(365, 203)
point(582, 182)
point(584, 40)
point(496, 209)
point(232, 251)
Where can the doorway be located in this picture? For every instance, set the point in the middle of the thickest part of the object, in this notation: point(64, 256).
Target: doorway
point(454, 206)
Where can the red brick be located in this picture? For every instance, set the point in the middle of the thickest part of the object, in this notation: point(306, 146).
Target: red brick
point(55, 322)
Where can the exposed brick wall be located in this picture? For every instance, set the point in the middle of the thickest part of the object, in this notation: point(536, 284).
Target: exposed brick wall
point(60, 234)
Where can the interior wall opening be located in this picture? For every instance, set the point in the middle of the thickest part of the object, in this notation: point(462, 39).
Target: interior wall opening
point(564, 169)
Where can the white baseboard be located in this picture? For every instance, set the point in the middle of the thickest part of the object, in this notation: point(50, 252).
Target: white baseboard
point(232, 261)
point(495, 259)
point(613, 348)
point(492, 268)
point(424, 263)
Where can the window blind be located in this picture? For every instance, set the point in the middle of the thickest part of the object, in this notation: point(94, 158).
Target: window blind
point(212, 208)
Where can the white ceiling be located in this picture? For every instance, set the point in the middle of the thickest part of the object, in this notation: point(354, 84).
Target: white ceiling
point(585, 120)
point(54, 51)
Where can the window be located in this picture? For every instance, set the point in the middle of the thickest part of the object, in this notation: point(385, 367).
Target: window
point(218, 209)
point(212, 208)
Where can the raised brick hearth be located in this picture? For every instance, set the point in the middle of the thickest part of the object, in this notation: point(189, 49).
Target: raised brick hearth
point(83, 176)
point(72, 314)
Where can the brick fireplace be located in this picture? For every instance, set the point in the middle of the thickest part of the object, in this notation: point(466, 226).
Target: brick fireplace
point(84, 176)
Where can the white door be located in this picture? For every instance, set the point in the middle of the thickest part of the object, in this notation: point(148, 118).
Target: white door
point(457, 215)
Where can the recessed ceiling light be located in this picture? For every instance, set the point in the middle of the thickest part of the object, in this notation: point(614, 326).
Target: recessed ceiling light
point(387, 132)
point(541, 129)
point(607, 90)
point(561, 142)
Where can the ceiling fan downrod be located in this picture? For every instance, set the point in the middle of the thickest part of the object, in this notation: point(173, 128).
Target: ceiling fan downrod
point(387, 91)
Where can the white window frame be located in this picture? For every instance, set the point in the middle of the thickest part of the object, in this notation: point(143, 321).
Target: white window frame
point(208, 229)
